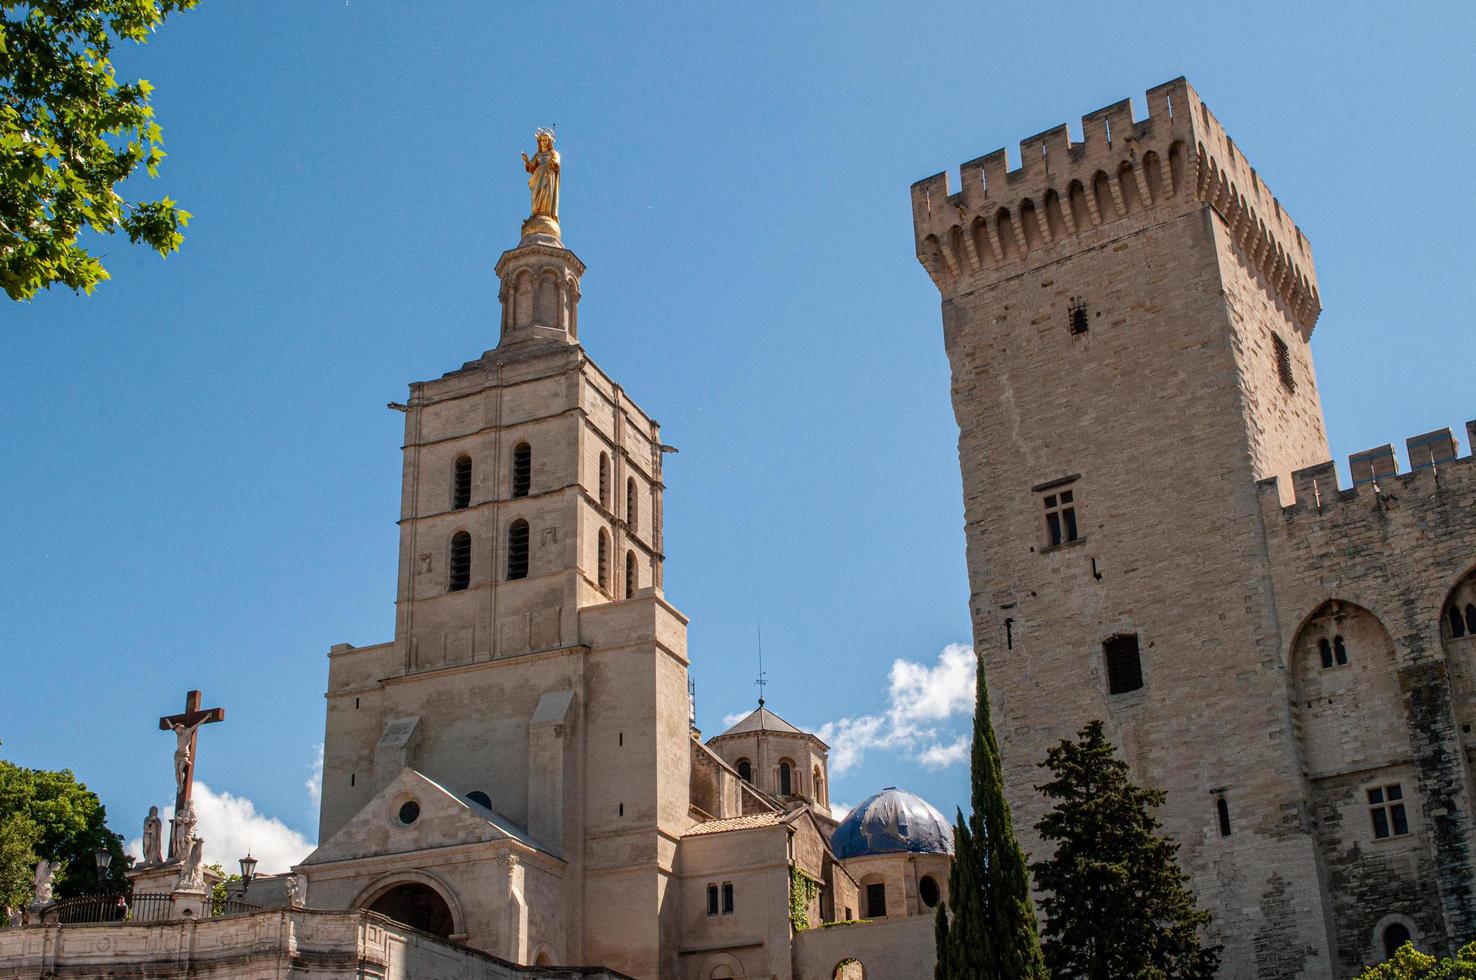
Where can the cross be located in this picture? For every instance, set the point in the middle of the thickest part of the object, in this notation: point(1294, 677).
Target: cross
point(184, 753)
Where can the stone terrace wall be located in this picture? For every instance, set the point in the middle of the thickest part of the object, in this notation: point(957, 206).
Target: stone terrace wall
point(309, 943)
point(888, 949)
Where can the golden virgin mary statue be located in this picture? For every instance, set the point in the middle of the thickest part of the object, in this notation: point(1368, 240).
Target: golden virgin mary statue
point(543, 184)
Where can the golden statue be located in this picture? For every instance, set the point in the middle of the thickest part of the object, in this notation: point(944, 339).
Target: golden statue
point(544, 186)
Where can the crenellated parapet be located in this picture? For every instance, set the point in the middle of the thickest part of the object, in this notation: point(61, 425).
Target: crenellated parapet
point(1123, 174)
point(1435, 465)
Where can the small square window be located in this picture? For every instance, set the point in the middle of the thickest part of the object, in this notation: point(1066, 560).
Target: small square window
point(1386, 811)
point(1124, 664)
point(712, 900)
point(1078, 316)
point(1060, 515)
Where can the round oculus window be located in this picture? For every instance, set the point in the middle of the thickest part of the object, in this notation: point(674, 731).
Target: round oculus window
point(927, 890)
point(409, 812)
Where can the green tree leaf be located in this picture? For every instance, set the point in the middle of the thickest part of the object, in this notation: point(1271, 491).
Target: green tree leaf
point(69, 134)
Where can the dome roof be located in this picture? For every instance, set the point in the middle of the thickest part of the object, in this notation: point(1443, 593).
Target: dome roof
point(889, 822)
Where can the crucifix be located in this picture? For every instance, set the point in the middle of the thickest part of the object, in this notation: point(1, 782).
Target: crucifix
point(185, 726)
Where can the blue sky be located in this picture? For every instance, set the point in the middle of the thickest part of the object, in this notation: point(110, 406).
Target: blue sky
point(202, 478)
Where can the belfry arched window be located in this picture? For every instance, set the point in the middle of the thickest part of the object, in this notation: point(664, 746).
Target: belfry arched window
point(786, 778)
point(461, 483)
point(632, 579)
point(604, 480)
point(602, 561)
point(460, 562)
point(632, 505)
point(745, 770)
point(517, 549)
point(522, 469)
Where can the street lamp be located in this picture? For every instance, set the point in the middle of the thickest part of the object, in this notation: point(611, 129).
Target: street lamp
point(103, 857)
point(248, 872)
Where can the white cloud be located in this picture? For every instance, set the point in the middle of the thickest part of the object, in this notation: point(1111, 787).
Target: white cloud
point(840, 810)
point(939, 756)
point(231, 826)
point(730, 720)
point(921, 698)
point(315, 780)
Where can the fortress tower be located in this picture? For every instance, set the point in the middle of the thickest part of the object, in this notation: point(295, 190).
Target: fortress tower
point(1127, 319)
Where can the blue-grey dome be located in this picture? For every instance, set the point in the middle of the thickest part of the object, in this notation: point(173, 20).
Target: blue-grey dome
point(889, 822)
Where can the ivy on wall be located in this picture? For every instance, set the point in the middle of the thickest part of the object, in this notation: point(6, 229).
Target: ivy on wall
point(802, 891)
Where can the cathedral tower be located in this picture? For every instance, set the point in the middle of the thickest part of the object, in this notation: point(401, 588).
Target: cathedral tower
point(512, 769)
point(1127, 319)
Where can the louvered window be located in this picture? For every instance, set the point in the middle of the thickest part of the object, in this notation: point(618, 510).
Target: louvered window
point(1284, 363)
point(461, 483)
point(604, 480)
point(460, 564)
point(632, 582)
point(517, 550)
point(632, 506)
point(522, 469)
point(602, 567)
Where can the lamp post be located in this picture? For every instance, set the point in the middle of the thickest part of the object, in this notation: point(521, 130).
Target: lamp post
point(104, 858)
point(248, 872)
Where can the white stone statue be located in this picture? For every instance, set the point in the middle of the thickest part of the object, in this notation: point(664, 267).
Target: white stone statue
point(45, 872)
point(15, 917)
point(296, 891)
point(184, 830)
point(192, 868)
point(153, 838)
point(182, 735)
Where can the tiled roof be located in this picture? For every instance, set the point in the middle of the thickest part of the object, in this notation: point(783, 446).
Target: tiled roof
point(762, 719)
point(746, 822)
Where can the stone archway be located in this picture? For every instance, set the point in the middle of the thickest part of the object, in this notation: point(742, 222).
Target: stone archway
point(416, 905)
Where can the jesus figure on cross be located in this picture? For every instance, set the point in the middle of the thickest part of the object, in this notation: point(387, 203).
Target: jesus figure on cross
point(185, 726)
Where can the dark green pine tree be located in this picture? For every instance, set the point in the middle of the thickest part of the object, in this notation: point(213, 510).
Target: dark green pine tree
point(988, 932)
point(1118, 904)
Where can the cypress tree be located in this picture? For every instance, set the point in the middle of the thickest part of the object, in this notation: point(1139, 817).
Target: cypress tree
point(990, 931)
point(1118, 903)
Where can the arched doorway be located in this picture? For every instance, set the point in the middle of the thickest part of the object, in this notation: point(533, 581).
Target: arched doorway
point(416, 905)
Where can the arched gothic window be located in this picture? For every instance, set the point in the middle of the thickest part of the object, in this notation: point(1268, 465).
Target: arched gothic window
point(786, 778)
point(517, 549)
point(461, 483)
point(604, 480)
point(745, 770)
point(632, 505)
point(522, 469)
point(1471, 617)
point(1396, 934)
point(460, 564)
point(1457, 624)
point(632, 580)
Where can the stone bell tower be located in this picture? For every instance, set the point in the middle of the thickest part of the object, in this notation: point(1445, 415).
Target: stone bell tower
point(537, 670)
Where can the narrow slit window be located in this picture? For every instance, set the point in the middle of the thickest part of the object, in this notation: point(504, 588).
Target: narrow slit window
point(1340, 651)
point(1222, 810)
point(604, 480)
point(712, 899)
point(1284, 363)
point(522, 469)
point(727, 898)
point(517, 549)
point(1471, 617)
point(632, 504)
point(1324, 650)
point(786, 779)
point(461, 483)
point(1457, 623)
point(632, 576)
point(1124, 664)
point(460, 563)
point(1386, 811)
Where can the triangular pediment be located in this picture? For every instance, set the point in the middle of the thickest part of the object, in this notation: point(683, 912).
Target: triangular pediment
point(440, 819)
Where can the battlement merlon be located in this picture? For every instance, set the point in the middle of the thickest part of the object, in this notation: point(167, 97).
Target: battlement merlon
point(1064, 195)
point(1434, 460)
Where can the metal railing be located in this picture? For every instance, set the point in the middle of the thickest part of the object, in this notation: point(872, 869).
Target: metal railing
point(137, 907)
